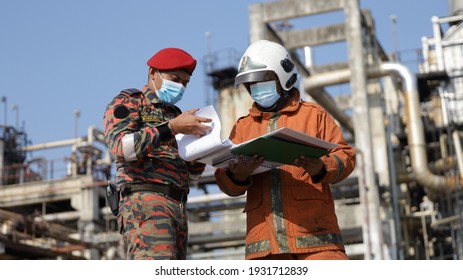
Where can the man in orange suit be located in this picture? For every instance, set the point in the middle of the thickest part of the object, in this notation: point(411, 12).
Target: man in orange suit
point(290, 209)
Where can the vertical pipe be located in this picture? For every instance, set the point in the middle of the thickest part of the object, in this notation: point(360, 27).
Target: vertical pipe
point(458, 150)
point(438, 43)
point(425, 236)
point(4, 100)
point(2, 161)
point(444, 107)
point(397, 241)
point(443, 146)
point(425, 52)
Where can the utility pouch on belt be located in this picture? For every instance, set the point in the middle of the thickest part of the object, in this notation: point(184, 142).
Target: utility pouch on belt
point(112, 196)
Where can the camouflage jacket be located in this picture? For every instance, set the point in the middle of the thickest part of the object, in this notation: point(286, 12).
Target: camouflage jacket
point(141, 142)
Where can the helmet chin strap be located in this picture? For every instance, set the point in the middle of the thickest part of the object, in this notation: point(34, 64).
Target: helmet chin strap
point(279, 104)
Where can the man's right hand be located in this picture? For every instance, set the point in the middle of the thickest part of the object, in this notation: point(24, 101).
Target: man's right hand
point(243, 168)
point(187, 123)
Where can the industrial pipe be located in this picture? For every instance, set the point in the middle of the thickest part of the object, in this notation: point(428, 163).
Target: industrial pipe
point(49, 145)
point(94, 134)
point(458, 149)
point(415, 130)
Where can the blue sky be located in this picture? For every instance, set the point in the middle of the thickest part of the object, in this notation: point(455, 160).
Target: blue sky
point(58, 56)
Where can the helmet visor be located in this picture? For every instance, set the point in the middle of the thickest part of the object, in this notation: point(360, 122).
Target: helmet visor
point(252, 77)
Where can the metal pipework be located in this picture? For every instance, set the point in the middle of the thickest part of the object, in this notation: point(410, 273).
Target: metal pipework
point(93, 135)
point(415, 130)
point(458, 150)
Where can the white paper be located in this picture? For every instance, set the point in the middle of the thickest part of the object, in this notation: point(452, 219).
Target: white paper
point(223, 161)
point(301, 138)
point(191, 147)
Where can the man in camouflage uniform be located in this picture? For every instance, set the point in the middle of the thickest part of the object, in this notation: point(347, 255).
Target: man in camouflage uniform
point(140, 128)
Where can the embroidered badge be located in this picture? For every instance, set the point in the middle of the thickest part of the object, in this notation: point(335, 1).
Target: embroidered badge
point(150, 119)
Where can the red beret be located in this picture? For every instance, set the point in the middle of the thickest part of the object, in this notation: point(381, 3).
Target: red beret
point(173, 58)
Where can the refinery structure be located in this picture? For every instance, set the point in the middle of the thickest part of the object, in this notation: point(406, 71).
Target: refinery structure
point(403, 200)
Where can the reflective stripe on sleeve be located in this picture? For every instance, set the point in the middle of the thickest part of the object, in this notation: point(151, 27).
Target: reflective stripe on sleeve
point(340, 168)
point(128, 147)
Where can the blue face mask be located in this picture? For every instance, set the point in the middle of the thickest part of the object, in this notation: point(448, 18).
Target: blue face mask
point(265, 93)
point(170, 92)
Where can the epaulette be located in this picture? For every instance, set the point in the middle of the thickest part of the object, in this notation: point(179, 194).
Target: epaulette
point(131, 91)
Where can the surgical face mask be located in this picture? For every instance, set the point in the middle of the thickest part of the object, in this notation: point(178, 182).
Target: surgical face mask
point(265, 93)
point(170, 92)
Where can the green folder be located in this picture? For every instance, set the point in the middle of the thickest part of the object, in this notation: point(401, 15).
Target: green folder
point(277, 150)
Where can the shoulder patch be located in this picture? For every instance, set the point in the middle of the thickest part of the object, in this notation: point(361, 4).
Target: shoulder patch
point(121, 112)
point(131, 91)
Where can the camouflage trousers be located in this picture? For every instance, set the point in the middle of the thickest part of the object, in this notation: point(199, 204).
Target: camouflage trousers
point(153, 227)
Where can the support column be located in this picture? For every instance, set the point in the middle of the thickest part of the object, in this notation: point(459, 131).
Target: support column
point(257, 27)
point(372, 231)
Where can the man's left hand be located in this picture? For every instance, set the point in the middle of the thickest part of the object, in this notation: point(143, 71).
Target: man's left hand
point(313, 166)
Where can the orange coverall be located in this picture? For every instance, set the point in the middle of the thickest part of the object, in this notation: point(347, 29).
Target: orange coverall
point(288, 213)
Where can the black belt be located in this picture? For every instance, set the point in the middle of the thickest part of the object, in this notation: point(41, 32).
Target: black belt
point(170, 191)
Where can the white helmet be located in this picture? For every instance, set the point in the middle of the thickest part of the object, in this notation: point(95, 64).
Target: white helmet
point(261, 59)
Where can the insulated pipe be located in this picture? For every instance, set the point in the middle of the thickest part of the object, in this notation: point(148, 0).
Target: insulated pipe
point(415, 130)
point(49, 145)
point(93, 135)
point(458, 149)
point(438, 43)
